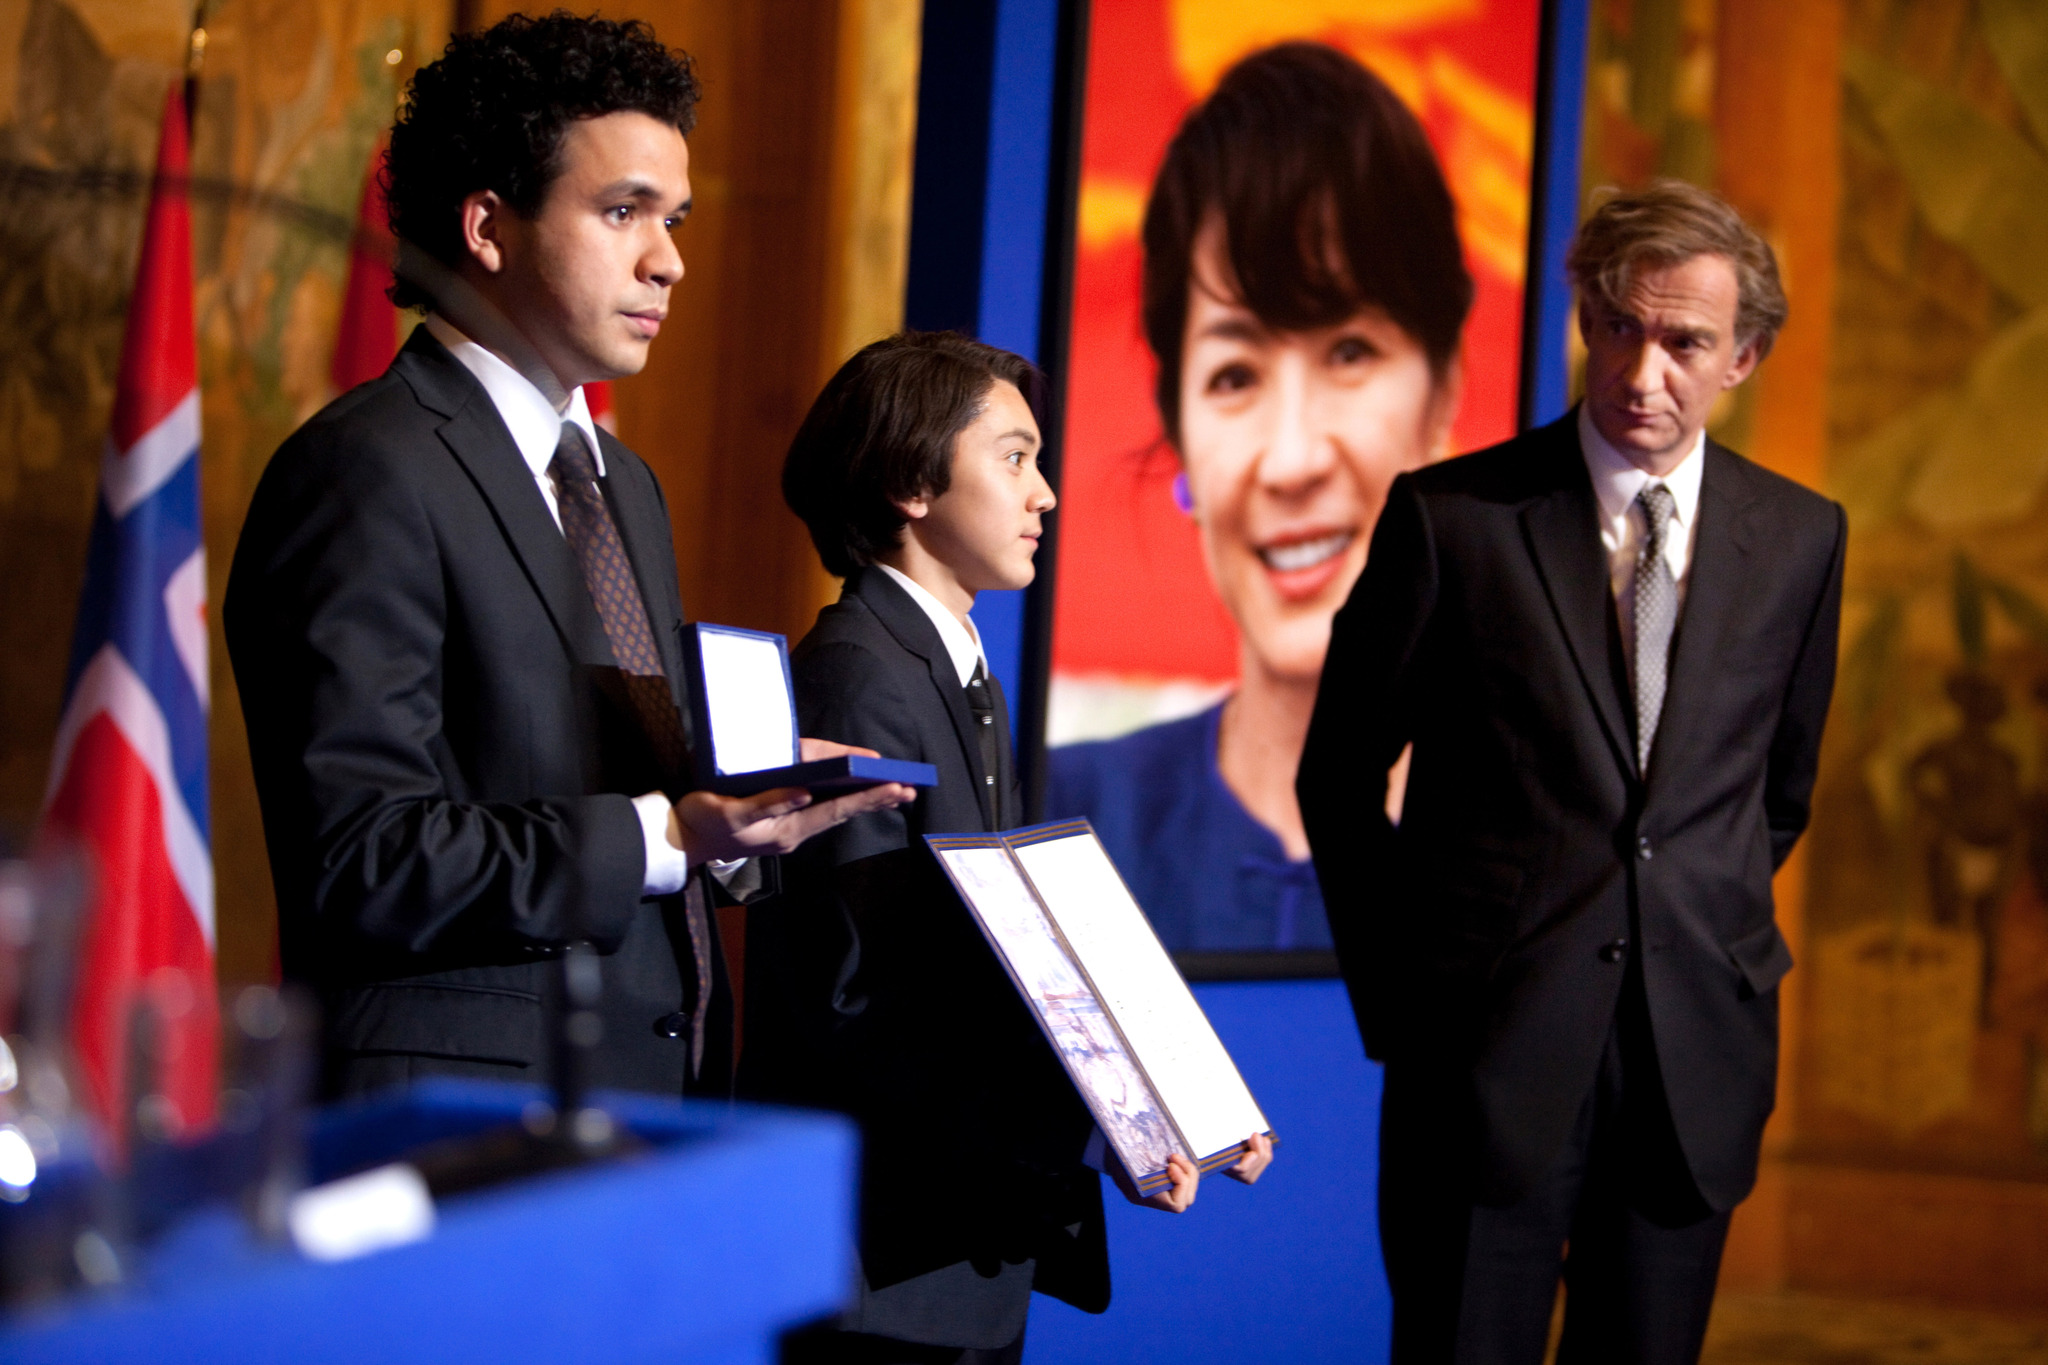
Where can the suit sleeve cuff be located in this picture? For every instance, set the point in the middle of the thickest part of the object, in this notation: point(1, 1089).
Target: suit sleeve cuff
point(668, 867)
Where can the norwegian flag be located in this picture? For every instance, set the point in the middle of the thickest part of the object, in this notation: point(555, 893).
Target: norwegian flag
point(128, 778)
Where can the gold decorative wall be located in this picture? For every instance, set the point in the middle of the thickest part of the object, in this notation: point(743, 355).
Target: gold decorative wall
point(1896, 152)
point(291, 98)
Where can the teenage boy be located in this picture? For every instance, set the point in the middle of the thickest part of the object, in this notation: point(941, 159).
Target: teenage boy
point(917, 474)
point(453, 613)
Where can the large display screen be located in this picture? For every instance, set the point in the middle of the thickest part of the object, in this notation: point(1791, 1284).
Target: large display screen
point(1300, 253)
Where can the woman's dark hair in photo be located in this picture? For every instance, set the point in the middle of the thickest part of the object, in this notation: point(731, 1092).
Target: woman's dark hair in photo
point(1329, 198)
point(882, 433)
point(490, 112)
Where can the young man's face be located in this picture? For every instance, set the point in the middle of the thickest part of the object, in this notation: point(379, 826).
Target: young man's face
point(985, 526)
point(587, 278)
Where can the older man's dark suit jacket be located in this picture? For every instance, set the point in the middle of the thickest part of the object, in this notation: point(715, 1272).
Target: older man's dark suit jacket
point(869, 989)
point(443, 752)
point(1486, 936)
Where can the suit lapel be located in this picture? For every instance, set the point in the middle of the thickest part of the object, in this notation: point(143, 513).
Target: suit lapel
point(1713, 585)
point(1562, 527)
point(905, 620)
point(477, 437)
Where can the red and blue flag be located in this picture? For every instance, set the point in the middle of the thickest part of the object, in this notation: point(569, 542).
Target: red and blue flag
point(128, 779)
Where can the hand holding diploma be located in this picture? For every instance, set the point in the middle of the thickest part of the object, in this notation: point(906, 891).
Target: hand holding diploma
point(1258, 1154)
point(709, 827)
point(1182, 1178)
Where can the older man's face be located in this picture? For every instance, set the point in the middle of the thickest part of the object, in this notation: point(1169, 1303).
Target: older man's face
point(1656, 362)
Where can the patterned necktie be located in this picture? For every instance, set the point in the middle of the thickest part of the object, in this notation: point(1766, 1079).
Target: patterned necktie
point(601, 554)
point(1656, 612)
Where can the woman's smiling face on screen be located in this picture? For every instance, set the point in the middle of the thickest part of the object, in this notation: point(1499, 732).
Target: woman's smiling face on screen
point(1290, 440)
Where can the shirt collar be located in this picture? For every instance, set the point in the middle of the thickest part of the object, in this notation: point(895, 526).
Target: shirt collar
point(535, 425)
point(1616, 482)
point(962, 642)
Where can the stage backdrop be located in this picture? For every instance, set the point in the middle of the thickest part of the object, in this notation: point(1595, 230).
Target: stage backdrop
point(1139, 633)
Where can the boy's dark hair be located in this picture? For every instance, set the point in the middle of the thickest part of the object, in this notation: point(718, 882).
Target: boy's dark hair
point(490, 112)
point(1329, 197)
point(882, 432)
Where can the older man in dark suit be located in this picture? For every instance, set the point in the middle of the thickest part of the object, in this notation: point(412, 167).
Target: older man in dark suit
point(1611, 642)
point(453, 612)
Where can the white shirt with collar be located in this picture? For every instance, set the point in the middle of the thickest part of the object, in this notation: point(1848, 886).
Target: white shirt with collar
point(536, 430)
point(962, 641)
point(1624, 528)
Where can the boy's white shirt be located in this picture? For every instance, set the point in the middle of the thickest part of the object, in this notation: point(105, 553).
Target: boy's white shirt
point(962, 641)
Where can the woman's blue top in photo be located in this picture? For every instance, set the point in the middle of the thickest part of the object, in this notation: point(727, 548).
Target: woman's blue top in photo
point(1206, 874)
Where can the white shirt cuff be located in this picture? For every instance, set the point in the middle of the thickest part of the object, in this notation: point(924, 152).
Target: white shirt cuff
point(668, 867)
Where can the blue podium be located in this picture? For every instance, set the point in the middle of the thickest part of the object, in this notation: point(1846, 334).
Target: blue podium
point(736, 1224)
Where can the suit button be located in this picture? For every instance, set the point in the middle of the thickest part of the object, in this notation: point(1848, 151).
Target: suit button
point(1615, 951)
point(1643, 849)
point(989, 780)
point(675, 1025)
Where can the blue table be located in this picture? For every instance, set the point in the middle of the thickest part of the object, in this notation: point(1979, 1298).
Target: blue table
point(738, 1224)
point(1286, 1271)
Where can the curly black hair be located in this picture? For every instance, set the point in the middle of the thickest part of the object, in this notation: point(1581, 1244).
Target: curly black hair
point(490, 113)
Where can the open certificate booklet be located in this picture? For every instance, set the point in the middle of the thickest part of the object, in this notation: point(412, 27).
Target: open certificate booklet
point(1139, 1049)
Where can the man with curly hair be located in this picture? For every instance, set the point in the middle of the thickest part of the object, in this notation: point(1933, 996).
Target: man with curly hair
point(454, 616)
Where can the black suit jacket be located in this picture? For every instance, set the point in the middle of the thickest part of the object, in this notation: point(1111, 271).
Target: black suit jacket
point(1483, 631)
point(443, 753)
point(871, 990)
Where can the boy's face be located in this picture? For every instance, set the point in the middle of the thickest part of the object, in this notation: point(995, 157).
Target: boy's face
point(985, 526)
point(587, 278)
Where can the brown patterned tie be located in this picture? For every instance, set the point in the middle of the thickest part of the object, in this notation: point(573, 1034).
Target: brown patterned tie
point(601, 554)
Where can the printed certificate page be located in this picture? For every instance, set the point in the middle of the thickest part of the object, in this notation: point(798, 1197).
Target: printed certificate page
point(1136, 980)
point(1115, 1091)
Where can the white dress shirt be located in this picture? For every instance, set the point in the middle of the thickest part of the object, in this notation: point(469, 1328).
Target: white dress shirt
point(962, 640)
point(535, 425)
point(1624, 528)
point(536, 430)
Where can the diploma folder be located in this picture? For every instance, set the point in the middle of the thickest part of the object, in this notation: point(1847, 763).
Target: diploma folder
point(740, 689)
point(1139, 1049)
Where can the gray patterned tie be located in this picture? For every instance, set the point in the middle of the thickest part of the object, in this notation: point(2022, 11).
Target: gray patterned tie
point(601, 554)
point(1656, 614)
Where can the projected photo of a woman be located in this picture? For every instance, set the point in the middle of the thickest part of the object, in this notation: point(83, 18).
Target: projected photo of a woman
point(1304, 295)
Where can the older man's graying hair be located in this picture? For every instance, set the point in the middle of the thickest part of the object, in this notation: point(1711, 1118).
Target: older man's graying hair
point(1667, 223)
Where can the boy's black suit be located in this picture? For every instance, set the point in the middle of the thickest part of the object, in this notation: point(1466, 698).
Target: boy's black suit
point(1488, 940)
point(442, 747)
point(870, 989)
